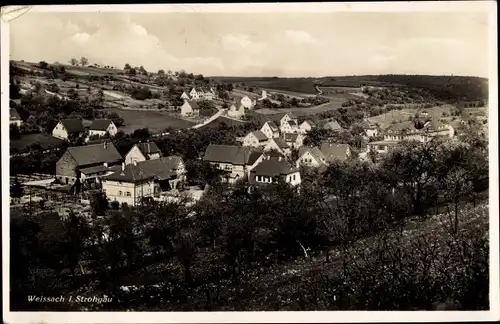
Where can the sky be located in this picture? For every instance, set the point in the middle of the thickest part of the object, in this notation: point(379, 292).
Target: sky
point(261, 44)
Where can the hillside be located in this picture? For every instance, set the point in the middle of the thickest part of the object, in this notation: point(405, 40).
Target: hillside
point(445, 88)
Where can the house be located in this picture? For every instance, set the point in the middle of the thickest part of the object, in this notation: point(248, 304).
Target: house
point(279, 145)
point(381, 147)
point(418, 130)
point(270, 129)
point(311, 157)
point(289, 124)
point(68, 129)
point(142, 152)
point(14, 118)
point(246, 102)
point(87, 162)
point(293, 140)
point(236, 112)
point(102, 127)
point(333, 126)
point(201, 94)
point(370, 130)
point(255, 139)
point(263, 95)
point(323, 155)
point(306, 126)
point(147, 178)
point(335, 151)
point(190, 109)
point(236, 161)
point(274, 170)
point(185, 96)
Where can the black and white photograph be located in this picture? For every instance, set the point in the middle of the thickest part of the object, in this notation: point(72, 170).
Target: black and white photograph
point(250, 162)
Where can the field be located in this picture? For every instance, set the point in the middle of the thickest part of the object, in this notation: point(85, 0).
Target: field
point(402, 115)
point(335, 103)
point(26, 140)
point(155, 121)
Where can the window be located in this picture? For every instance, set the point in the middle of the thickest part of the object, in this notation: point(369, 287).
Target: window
point(128, 194)
point(120, 193)
point(293, 178)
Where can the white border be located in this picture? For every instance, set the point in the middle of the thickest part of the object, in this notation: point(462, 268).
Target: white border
point(269, 317)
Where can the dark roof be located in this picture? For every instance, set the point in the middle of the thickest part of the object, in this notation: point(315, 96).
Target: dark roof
point(238, 155)
point(94, 154)
point(14, 115)
point(148, 148)
point(273, 125)
point(280, 142)
point(273, 167)
point(407, 126)
point(260, 135)
point(333, 151)
point(290, 137)
point(314, 151)
point(73, 125)
point(333, 125)
point(291, 115)
point(158, 169)
point(100, 124)
point(193, 104)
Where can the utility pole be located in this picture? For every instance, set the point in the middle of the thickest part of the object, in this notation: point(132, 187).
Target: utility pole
point(142, 188)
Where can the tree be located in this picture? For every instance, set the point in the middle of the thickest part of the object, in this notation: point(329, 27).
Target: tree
point(43, 65)
point(14, 132)
point(73, 62)
point(16, 190)
point(143, 71)
point(117, 119)
point(127, 67)
point(72, 94)
point(84, 61)
point(161, 72)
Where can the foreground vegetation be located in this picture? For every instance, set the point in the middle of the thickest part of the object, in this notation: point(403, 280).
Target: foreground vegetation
point(357, 236)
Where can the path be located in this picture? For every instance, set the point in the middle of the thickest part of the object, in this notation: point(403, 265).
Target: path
point(211, 119)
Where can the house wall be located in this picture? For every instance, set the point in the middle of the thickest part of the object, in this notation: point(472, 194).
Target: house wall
point(126, 192)
point(308, 159)
point(186, 109)
point(60, 132)
point(65, 168)
point(112, 129)
point(305, 128)
point(293, 178)
point(267, 130)
point(134, 155)
point(184, 95)
point(246, 102)
point(371, 132)
point(96, 132)
point(16, 122)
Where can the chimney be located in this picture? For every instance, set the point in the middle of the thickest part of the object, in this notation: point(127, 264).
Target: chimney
point(135, 163)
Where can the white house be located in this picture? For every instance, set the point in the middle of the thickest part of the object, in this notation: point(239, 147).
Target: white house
point(68, 128)
point(101, 127)
point(289, 124)
point(274, 170)
point(255, 139)
point(246, 102)
point(270, 129)
point(311, 157)
point(306, 126)
point(190, 109)
point(202, 94)
point(322, 156)
point(144, 179)
point(236, 112)
point(142, 152)
point(14, 118)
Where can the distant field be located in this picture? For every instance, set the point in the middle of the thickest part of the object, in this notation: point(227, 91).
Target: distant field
point(334, 103)
point(402, 115)
point(292, 94)
point(26, 140)
point(155, 121)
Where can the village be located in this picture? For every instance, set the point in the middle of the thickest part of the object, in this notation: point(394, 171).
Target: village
point(252, 167)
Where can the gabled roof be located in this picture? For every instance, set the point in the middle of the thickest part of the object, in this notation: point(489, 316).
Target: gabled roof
point(158, 169)
point(100, 124)
point(94, 154)
point(13, 114)
point(73, 125)
point(407, 126)
point(260, 135)
point(290, 137)
point(272, 125)
point(333, 151)
point(148, 148)
point(279, 142)
point(310, 122)
point(232, 154)
point(333, 125)
point(291, 115)
point(193, 104)
point(272, 167)
point(314, 151)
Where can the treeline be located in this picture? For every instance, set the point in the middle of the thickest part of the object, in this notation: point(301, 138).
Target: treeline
point(237, 249)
